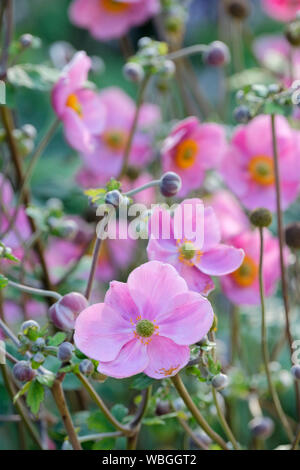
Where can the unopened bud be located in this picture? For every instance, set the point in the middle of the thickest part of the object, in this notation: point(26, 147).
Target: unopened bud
point(242, 114)
point(170, 184)
point(261, 217)
point(292, 32)
point(295, 370)
point(220, 381)
point(26, 40)
point(292, 235)
point(65, 351)
point(86, 367)
point(217, 54)
point(29, 131)
point(23, 371)
point(238, 9)
point(64, 312)
point(114, 198)
point(162, 408)
point(30, 329)
point(261, 427)
point(133, 72)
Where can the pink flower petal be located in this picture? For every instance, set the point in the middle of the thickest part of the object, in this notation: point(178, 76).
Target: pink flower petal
point(196, 280)
point(76, 133)
point(132, 360)
point(165, 358)
point(118, 298)
point(100, 332)
point(212, 230)
point(220, 260)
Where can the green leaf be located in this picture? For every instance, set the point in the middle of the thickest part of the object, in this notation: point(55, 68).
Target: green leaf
point(57, 339)
point(3, 281)
point(119, 411)
point(104, 444)
point(142, 381)
point(113, 184)
point(46, 379)
point(273, 108)
point(35, 396)
point(97, 422)
point(21, 391)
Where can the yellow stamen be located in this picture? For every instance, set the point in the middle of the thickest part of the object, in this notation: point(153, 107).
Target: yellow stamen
point(247, 272)
point(73, 102)
point(167, 372)
point(186, 153)
point(114, 6)
point(115, 139)
point(261, 169)
point(187, 252)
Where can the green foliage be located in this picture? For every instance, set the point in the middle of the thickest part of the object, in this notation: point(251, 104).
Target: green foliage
point(142, 381)
point(57, 339)
point(3, 281)
point(32, 76)
point(35, 396)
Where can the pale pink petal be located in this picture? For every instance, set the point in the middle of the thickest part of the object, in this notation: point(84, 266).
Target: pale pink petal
point(100, 332)
point(212, 230)
point(132, 360)
point(165, 358)
point(83, 12)
point(195, 279)
point(118, 298)
point(220, 260)
point(76, 133)
point(93, 112)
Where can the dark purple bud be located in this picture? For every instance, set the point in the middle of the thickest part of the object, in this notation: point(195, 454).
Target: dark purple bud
point(114, 198)
point(38, 345)
point(64, 312)
point(238, 9)
point(296, 371)
point(86, 367)
point(261, 427)
point(292, 235)
point(65, 352)
point(220, 381)
point(162, 408)
point(170, 184)
point(217, 54)
point(38, 358)
point(23, 371)
point(26, 40)
point(242, 114)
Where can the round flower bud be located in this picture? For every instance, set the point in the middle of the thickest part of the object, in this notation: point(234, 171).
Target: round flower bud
point(26, 40)
point(220, 381)
point(292, 32)
point(162, 408)
point(217, 54)
point(242, 114)
point(170, 184)
point(38, 358)
point(65, 351)
point(23, 371)
point(261, 427)
point(168, 69)
point(86, 367)
point(114, 198)
point(292, 235)
point(29, 326)
point(29, 131)
point(64, 312)
point(38, 345)
point(295, 370)
point(261, 217)
point(133, 72)
point(144, 42)
point(238, 9)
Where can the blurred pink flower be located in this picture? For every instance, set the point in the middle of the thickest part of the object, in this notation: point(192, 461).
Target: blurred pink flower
point(275, 53)
point(282, 10)
point(78, 107)
point(144, 325)
point(191, 149)
point(248, 167)
point(242, 286)
point(109, 19)
point(107, 158)
point(195, 262)
point(231, 217)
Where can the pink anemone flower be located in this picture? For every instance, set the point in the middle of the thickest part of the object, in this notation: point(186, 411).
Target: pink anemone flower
point(110, 19)
point(191, 149)
point(195, 260)
point(242, 286)
point(248, 166)
point(109, 146)
point(79, 108)
point(144, 325)
point(282, 10)
point(230, 215)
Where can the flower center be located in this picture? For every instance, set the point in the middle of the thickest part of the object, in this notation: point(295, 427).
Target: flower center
point(262, 170)
point(145, 328)
point(115, 139)
point(247, 272)
point(114, 6)
point(187, 250)
point(186, 153)
point(73, 103)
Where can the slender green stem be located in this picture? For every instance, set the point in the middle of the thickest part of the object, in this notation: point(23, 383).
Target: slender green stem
point(296, 441)
point(136, 422)
point(265, 351)
point(223, 421)
point(187, 51)
point(281, 238)
point(182, 391)
point(100, 437)
point(9, 333)
point(19, 407)
point(95, 258)
point(98, 400)
point(34, 291)
point(129, 142)
point(59, 397)
point(151, 184)
point(8, 355)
